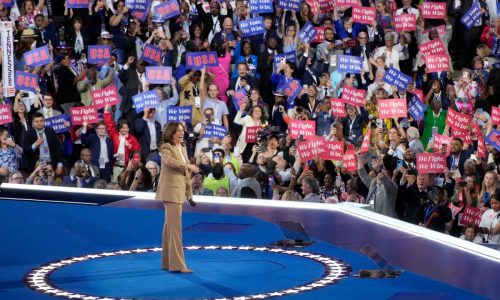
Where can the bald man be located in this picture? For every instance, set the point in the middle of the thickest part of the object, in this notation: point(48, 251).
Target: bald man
point(247, 181)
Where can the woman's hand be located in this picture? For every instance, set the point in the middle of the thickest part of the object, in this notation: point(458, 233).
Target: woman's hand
point(193, 168)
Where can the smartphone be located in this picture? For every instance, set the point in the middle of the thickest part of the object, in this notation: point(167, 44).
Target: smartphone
point(399, 165)
point(271, 180)
point(479, 110)
point(462, 183)
point(236, 150)
point(25, 94)
point(216, 157)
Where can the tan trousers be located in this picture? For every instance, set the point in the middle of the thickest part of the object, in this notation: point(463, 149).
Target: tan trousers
point(173, 255)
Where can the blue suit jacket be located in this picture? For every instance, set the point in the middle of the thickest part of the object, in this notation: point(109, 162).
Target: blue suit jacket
point(91, 140)
point(142, 131)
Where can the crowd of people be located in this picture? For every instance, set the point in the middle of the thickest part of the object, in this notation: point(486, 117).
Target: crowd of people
point(121, 150)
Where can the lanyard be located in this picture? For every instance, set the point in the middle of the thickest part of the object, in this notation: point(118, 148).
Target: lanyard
point(428, 214)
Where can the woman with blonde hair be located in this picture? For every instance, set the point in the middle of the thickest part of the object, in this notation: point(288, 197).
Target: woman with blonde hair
point(488, 188)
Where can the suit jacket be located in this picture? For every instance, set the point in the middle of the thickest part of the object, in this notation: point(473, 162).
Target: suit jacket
point(71, 181)
point(142, 131)
point(417, 146)
point(175, 177)
point(131, 83)
point(464, 155)
point(207, 20)
point(66, 92)
point(385, 200)
point(31, 156)
point(91, 140)
point(85, 89)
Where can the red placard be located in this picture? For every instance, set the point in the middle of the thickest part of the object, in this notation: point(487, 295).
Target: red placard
point(320, 34)
point(431, 162)
point(333, 150)
point(392, 108)
point(495, 115)
point(82, 114)
point(365, 147)
point(105, 96)
point(471, 215)
point(353, 96)
point(433, 47)
point(251, 133)
point(418, 93)
point(5, 114)
point(310, 149)
point(326, 5)
point(349, 161)
point(437, 63)
point(338, 107)
point(364, 15)
point(433, 10)
point(441, 29)
point(458, 121)
point(463, 135)
point(405, 22)
point(439, 140)
point(481, 147)
point(348, 2)
point(305, 128)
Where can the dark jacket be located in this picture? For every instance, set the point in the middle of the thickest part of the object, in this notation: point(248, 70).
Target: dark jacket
point(142, 131)
point(32, 156)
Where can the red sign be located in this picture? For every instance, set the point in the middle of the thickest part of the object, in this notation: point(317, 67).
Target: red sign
point(433, 47)
point(418, 93)
point(82, 114)
point(349, 161)
point(105, 96)
point(458, 121)
point(437, 63)
point(348, 3)
point(353, 96)
point(326, 5)
point(364, 15)
point(251, 133)
point(439, 141)
point(304, 128)
point(338, 107)
point(441, 29)
point(463, 135)
point(320, 35)
point(405, 22)
point(311, 149)
point(495, 115)
point(431, 162)
point(433, 10)
point(481, 147)
point(471, 215)
point(333, 150)
point(365, 147)
point(5, 114)
point(392, 108)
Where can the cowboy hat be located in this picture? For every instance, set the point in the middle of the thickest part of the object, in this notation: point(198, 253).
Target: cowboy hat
point(105, 35)
point(28, 33)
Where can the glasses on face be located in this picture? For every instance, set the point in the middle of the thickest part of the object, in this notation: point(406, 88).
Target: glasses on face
point(101, 128)
point(362, 37)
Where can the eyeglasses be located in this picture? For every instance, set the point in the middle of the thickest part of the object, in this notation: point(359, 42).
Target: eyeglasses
point(362, 37)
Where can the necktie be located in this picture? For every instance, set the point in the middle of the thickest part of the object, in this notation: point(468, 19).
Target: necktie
point(405, 10)
point(49, 113)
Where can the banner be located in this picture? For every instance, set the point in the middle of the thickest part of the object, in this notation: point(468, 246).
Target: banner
point(151, 54)
point(98, 54)
point(437, 63)
point(439, 141)
point(472, 15)
point(433, 47)
point(214, 130)
point(198, 60)
point(7, 44)
point(458, 121)
point(353, 96)
point(83, 113)
point(493, 138)
point(139, 8)
point(349, 161)
point(463, 135)
point(159, 75)
point(57, 123)
point(470, 215)
point(338, 107)
point(364, 15)
point(239, 98)
point(433, 10)
point(495, 115)
point(77, 4)
point(320, 35)
point(431, 163)
point(311, 149)
point(365, 147)
point(417, 109)
point(289, 56)
point(305, 128)
point(251, 133)
point(349, 64)
point(392, 108)
point(333, 150)
point(397, 78)
point(405, 22)
point(252, 26)
point(326, 5)
point(290, 4)
point(481, 147)
point(7, 3)
point(5, 114)
point(418, 93)
point(179, 113)
point(38, 57)
point(168, 9)
point(105, 96)
point(26, 81)
point(261, 6)
point(307, 33)
point(146, 99)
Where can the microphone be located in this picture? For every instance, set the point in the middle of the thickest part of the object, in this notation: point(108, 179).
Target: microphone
point(191, 202)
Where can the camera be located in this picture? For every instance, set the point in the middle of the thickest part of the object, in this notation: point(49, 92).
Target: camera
point(462, 184)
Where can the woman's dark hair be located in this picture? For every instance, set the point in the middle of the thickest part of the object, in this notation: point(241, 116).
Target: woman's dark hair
point(263, 115)
point(247, 192)
point(122, 122)
point(147, 180)
point(115, 4)
point(168, 132)
point(133, 153)
point(217, 171)
point(243, 44)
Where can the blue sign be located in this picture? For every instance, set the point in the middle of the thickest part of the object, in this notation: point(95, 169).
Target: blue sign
point(7, 3)
point(38, 57)
point(98, 54)
point(57, 123)
point(139, 8)
point(289, 56)
point(179, 113)
point(290, 88)
point(472, 15)
point(159, 75)
point(261, 6)
point(416, 109)
point(214, 130)
point(493, 138)
point(146, 99)
point(290, 4)
point(77, 4)
point(26, 81)
point(252, 26)
point(397, 78)
point(239, 98)
point(151, 54)
point(349, 64)
point(198, 60)
point(307, 33)
point(168, 9)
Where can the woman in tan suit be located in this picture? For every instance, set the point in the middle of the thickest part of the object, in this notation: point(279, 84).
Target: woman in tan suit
point(173, 187)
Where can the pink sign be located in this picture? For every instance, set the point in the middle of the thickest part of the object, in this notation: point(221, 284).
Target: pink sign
point(364, 15)
point(495, 115)
point(405, 22)
point(433, 10)
point(458, 121)
point(5, 114)
point(365, 147)
point(320, 35)
point(326, 5)
point(82, 114)
point(433, 47)
point(441, 29)
point(304, 128)
point(353, 96)
point(333, 150)
point(251, 133)
point(463, 135)
point(437, 63)
point(105, 96)
point(431, 162)
point(311, 149)
point(418, 93)
point(392, 108)
point(481, 147)
point(348, 2)
point(349, 161)
point(471, 215)
point(439, 141)
point(338, 107)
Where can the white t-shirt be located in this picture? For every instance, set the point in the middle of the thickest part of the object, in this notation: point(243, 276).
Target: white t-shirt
point(490, 220)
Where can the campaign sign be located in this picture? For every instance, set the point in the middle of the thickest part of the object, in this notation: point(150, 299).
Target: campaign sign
point(307, 33)
point(57, 123)
point(338, 107)
point(463, 135)
point(146, 99)
point(392, 108)
point(293, 5)
point(351, 43)
point(437, 63)
point(439, 141)
point(349, 161)
point(311, 149)
point(7, 3)
point(168, 9)
point(251, 133)
point(151, 54)
point(159, 75)
point(405, 22)
point(417, 109)
point(198, 60)
point(5, 114)
point(139, 8)
point(304, 128)
point(289, 56)
point(493, 138)
point(433, 47)
point(320, 35)
point(349, 64)
point(481, 147)
point(365, 147)
point(326, 5)
point(239, 98)
point(333, 150)
point(431, 162)
point(77, 4)
point(352, 3)
point(458, 121)
point(397, 78)
point(353, 96)
point(441, 29)
point(470, 215)
point(38, 57)
point(252, 26)
point(433, 10)
point(364, 15)
point(179, 113)
point(82, 114)
point(26, 81)
point(216, 131)
point(98, 54)
point(105, 96)
point(291, 88)
point(495, 115)
point(472, 15)
point(261, 6)
point(418, 93)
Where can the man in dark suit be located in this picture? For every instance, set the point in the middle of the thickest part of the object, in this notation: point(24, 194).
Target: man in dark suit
point(212, 22)
point(265, 68)
point(148, 132)
point(226, 35)
point(97, 142)
point(456, 160)
point(364, 49)
point(80, 177)
point(41, 143)
point(258, 41)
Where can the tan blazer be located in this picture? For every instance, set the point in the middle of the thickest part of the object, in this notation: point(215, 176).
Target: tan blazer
point(174, 184)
